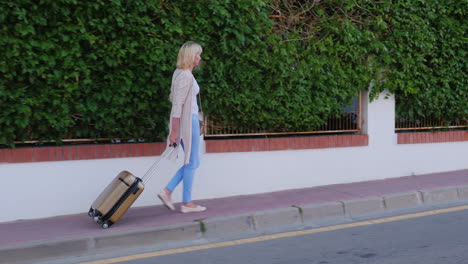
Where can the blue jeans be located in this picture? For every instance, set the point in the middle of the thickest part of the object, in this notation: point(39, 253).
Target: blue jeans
point(187, 171)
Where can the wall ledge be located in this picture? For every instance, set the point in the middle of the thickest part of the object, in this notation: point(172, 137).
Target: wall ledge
point(80, 152)
point(286, 143)
point(432, 137)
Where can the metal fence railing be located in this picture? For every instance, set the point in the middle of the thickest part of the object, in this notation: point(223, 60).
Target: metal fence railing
point(405, 124)
point(348, 122)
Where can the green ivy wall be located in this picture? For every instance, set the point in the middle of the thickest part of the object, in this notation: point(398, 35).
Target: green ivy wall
point(102, 69)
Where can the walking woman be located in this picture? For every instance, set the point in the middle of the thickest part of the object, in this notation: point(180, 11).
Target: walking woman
point(184, 126)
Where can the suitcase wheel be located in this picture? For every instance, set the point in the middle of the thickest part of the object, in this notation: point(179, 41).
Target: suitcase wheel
point(106, 224)
point(93, 213)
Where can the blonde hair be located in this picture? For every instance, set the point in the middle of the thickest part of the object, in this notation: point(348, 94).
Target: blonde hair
point(187, 54)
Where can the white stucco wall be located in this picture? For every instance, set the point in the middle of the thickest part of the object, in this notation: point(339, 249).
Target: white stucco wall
point(44, 189)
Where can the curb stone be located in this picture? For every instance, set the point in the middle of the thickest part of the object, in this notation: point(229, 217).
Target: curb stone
point(148, 236)
point(43, 251)
point(365, 205)
point(319, 212)
point(402, 200)
point(462, 192)
point(271, 220)
point(439, 195)
point(228, 225)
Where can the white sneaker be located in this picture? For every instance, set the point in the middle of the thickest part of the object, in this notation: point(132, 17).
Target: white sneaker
point(188, 209)
point(166, 200)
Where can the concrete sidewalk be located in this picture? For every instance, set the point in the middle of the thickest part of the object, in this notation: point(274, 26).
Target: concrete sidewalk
point(32, 241)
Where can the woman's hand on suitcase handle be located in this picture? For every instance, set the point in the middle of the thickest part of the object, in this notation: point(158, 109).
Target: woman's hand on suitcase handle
point(173, 140)
point(174, 136)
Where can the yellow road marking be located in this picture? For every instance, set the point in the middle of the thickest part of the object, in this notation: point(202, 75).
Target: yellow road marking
point(276, 236)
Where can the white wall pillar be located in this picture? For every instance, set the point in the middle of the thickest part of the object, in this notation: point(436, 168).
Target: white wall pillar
point(378, 119)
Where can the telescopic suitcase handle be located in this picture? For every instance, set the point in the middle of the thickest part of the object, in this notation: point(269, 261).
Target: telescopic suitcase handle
point(154, 168)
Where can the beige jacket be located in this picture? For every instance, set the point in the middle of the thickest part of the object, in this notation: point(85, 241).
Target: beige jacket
point(181, 99)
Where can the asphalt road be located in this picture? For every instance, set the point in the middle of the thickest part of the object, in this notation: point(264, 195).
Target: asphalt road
point(432, 239)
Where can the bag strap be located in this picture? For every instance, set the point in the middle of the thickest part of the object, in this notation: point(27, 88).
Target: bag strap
point(199, 102)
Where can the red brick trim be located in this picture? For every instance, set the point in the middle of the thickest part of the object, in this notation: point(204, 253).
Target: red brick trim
point(271, 144)
point(81, 152)
point(432, 137)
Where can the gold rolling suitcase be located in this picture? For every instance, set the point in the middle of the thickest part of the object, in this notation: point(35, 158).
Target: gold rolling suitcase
point(120, 194)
